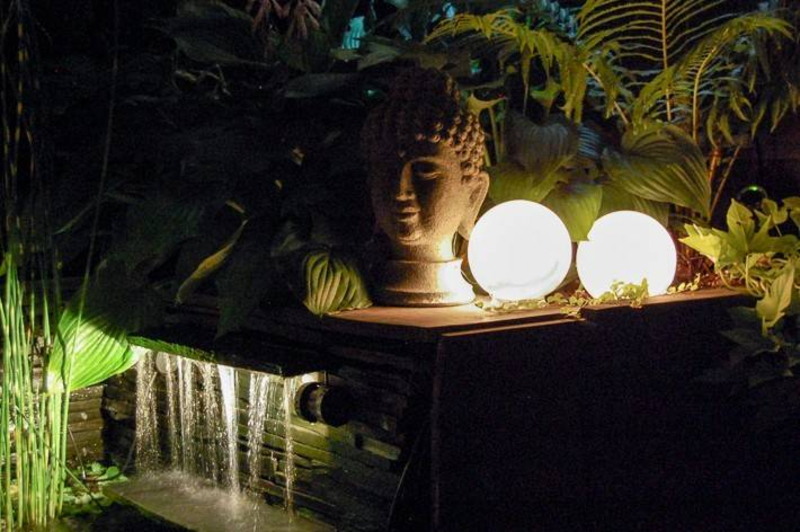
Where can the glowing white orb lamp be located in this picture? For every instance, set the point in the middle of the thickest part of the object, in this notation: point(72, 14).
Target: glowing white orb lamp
point(519, 250)
point(627, 247)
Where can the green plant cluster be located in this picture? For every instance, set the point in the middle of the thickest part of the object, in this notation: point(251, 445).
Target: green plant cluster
point(631, 294)
point(615, 106)
point(234, 155)
point(759, 254)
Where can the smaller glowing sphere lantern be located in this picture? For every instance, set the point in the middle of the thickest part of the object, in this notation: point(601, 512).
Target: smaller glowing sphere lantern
point(519, 250)
point(626, 246)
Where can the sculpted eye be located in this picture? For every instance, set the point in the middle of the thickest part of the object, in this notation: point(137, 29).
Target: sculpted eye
point(428, 176)
point(427, 172)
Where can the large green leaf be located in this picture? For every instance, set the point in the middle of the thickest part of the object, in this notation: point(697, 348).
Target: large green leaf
point(652, 34)
point(618, 199)
point(209, 31)
point(577, 205)
point(87, 351)
point(510, 181)
point(157, 226)
point(541, 148)
point(661, 163)
point(704, 241)
point(248, 277)
point(209, 265)
point(772, 307)
point(332, 283)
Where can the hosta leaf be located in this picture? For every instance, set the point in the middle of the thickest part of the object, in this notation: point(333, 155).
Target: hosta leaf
point(156, 227)
point(617, 199)
point(87, 351)
point(511, 181)
point(541, 148)
point(332, 284)
point(661, 163)
point(577, 205)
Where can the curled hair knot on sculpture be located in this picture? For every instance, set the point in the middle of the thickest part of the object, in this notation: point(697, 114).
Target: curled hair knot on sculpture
point(424, 106)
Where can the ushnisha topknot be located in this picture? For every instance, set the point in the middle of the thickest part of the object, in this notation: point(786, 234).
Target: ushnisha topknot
point(424, 106)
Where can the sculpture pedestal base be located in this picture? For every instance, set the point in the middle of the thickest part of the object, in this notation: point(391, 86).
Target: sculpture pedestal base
point(406, 283)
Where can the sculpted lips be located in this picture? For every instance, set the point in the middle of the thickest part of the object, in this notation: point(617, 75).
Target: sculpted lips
point(405, 213)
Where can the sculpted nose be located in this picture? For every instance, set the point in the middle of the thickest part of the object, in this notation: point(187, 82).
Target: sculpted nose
point(405, 186)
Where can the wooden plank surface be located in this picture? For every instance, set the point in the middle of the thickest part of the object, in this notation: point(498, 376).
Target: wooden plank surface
point(428, 324)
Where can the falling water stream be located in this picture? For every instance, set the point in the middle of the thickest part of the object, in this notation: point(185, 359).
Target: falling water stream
point(227, 384)
point(202, 423)
point(147, 453)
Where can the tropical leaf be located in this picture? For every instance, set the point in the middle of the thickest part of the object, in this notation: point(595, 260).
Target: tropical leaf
point(157, 226)
point(208, 266)
point(332, 284)
point(510, 181)
point(652, 34)
point(707, 69)
point(540, 148)
point(704, 240)
point(577, 205)
point(87, 350)
point(247, 278)
point(772, 307)
point(619, 199)
point(211, 32)
point(661, 163)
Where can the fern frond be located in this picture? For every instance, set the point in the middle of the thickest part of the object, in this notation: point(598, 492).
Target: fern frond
point(704, 68)
point(653, 35)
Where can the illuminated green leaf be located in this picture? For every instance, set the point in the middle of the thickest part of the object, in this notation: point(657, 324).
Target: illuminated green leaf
point(577, 205)
point(209, 265)
point(332, 284)
point(772, 307)
point(704, 241)
point(661, 163)
point(618, 199)
point(88, 351)
point(541, 148)
point(510, 181)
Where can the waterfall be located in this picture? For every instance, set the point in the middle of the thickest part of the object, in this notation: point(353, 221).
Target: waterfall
point(173, 437)
point(211, 424)
point(227, 384)
point(289, 389)
point(202, 423)
point(147, 452)
point(262, 388)
point(188, 414)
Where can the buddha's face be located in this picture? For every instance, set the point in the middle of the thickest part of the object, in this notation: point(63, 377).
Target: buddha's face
point(420, 199)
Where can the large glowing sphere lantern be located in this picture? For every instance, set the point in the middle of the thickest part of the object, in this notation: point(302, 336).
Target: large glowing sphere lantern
point(519, 250)
point(627, 247)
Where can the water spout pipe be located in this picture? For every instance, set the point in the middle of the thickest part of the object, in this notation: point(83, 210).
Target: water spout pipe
point(319, 403)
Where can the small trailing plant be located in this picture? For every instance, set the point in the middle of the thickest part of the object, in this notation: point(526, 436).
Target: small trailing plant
point(632, 294)
point(758, 255)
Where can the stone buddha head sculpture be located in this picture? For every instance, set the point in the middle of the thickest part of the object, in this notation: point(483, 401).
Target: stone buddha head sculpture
point(425, 164)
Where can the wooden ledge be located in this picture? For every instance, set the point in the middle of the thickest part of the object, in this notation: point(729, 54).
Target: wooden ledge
point(428, 324)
